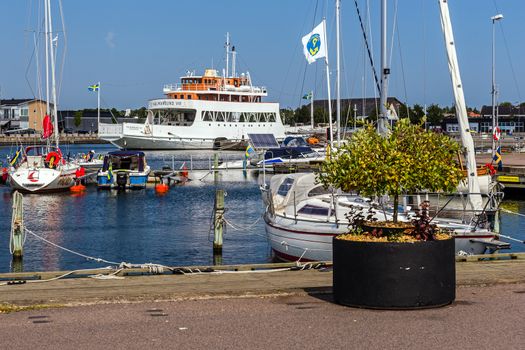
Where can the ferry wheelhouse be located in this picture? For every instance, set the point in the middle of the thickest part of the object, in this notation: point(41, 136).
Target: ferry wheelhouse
point(199, 113)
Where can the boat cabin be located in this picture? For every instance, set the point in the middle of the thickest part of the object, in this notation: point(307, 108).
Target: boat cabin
point(124, 160)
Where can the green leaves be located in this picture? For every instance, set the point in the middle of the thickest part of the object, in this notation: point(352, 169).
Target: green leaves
point(409, 159)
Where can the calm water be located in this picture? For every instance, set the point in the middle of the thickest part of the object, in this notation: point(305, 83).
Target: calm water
point(137, 226)
point(141, 226)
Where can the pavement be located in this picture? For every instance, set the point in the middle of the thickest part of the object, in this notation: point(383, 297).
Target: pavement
point(482, 317)
point(258, 310)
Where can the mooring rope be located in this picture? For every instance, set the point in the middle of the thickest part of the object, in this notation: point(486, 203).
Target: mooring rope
point(511, 212)
point(71, 251)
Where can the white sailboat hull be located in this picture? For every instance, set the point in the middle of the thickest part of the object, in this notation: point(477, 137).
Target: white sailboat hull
point(43, 179)
point(293, 240)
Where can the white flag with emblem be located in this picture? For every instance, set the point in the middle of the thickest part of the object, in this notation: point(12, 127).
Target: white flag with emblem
point(314, 43)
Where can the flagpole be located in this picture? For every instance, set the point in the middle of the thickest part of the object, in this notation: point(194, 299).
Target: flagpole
point(312, 108)
point(328, 90)
point(338, 75)
point(98, 109)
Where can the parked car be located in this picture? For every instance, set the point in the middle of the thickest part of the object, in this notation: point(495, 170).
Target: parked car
point(67, 131)
point(82, 132)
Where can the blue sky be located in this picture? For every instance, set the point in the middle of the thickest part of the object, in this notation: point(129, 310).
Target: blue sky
point(134, 47)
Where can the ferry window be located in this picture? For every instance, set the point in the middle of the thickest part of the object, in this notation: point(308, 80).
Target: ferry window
point(285, 187)
point(314, 210)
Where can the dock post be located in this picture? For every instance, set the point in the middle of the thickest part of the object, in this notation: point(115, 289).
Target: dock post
point(216, 167)
point(16, 242)
point(218, 222)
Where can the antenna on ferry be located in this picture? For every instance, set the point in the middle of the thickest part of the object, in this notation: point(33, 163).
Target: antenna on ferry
point(233, 61)
point(227, 52)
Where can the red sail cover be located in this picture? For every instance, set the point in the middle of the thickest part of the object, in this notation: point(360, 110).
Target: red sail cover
point(48, 127)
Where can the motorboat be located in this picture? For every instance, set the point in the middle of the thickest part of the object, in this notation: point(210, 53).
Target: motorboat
point(123, 170)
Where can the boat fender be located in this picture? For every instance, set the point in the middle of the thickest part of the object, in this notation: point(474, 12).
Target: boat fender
point(52, 159)
point(496, 134)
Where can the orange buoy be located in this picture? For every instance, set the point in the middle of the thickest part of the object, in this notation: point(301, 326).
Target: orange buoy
point(77, 188)
point(161, 188)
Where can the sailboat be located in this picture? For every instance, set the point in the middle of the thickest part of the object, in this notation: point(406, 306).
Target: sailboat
point(302, 217)
point(43, 168)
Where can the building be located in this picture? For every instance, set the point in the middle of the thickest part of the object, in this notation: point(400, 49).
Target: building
point(511, 119)
point(363, 107)
point(88, 122)
point(22, 114)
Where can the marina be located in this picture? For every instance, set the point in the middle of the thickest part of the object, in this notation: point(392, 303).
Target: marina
point(171, 229)
point(223, 209)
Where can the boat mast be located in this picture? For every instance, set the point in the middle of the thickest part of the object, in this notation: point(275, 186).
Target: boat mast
point(328, 91)
point(233, 61)
point(227, 52)
point(461, 110)
point(46, 30)
point(338, 75)
point(53, 82)
point(385, 71)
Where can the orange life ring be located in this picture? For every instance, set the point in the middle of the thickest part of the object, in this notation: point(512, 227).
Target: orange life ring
point(52, 159)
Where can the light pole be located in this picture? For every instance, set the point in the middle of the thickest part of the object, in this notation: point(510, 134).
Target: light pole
point(495, 122)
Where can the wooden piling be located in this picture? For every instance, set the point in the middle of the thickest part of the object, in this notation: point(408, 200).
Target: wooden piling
point(216, 167)
point(218, 222)
point(16, 243)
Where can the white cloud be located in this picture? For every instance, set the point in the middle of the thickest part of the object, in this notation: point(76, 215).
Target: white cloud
point(110, 39)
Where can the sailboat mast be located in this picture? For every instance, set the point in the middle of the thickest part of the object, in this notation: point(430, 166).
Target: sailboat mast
point(338, 70)
point(385, 71)
point(52, 63)
point(461, 109)
point(331, 138)
point(46, 31)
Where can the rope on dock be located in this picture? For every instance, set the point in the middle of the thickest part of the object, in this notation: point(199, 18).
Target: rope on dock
point(152, 267)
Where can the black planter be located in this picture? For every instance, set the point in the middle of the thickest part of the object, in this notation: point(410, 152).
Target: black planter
point(386, 275)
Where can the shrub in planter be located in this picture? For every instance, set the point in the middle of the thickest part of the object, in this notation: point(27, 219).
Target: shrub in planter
point(410, 267)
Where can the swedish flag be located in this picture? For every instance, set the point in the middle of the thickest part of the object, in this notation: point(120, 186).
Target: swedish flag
point(249, 151)
point(15, 158)
point(497, 158)
point(94, 87)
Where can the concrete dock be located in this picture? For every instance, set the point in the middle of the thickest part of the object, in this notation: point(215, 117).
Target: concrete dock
point(260, 310)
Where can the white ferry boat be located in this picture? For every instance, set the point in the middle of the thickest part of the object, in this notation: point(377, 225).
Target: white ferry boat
point(199, 113)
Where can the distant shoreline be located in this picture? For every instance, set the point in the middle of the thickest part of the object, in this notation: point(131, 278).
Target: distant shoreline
point(66, 139)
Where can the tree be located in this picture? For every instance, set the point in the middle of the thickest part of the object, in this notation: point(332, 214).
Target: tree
point(409, 159)
point(417, 114)
point(78, 118)
point(505, 104)
point(434, 114)
point(287, 115)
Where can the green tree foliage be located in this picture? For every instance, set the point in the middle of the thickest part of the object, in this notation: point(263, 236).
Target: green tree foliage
point(78, 118)
point(434, 114)
point(505, 104)
point(408, 160)
point(417, 114)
